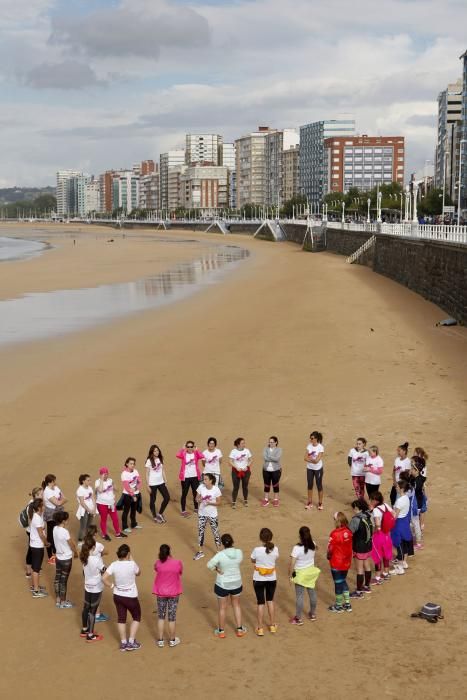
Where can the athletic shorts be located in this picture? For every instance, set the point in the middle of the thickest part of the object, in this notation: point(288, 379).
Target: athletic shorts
point(311, 475)
point(124, 605)
point(362, 555)
point(37, 557)
point(224, 593)
point(264, 591)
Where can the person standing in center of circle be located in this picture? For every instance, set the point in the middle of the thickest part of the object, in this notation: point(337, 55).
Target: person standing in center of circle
point(272, 470)
point(208, 496)
point(190, 474)
point(240, 460)
point(314, 461)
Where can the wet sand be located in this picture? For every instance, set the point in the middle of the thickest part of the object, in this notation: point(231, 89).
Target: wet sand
point(283, 346)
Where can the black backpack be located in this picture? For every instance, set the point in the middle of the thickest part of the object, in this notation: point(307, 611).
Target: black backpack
point(363, 535)
point(24, 517)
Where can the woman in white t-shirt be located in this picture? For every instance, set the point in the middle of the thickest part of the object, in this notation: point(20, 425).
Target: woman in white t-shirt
point(125, 593)
point(93, 568)
point(37, 542)
point(401, 464)
point(156, 481)
point(105, 503)
point(212, 461)
point(373, 469)
point(131, 484)
point(314, 468)
point(264, 558)
point(356, 461)
point(86, 505)
point(37, 492)
point(240, 460)
point(304, 574)
point(401, 534)
point(208, 497)
point(53, 500)
point(65, 549)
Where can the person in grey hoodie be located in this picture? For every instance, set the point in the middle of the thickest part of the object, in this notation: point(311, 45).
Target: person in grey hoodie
point(272, 470)
point(228, 586)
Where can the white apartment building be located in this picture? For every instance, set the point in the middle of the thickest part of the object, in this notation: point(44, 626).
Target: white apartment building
point(92, 197)
point(125, 190)
point(251, 167)
point(203, 149)
point(63, 191)
point(277, 142)
point(174, 187)
point(290, 173)
point(171, 159)
point(228, 156)
point(205, 188)
point(149, 195)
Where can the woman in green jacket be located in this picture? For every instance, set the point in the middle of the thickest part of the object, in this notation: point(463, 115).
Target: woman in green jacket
point(228, 586)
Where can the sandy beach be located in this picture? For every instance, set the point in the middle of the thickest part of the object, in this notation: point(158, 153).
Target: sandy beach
point(283, 345)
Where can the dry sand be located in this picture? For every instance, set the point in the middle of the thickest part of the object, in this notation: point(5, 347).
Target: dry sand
point(283, 346)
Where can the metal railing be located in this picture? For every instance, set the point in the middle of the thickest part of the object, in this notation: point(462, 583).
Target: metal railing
point(431, 232)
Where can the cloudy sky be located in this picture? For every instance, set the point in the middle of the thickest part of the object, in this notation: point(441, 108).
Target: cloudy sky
point(98, 84)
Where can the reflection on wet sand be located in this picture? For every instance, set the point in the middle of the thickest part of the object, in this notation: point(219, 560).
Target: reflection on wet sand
point(43, 314)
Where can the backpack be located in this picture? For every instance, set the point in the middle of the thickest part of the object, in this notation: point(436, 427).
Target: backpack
point(387, 521)
point(364, 533)
point(24, 517)
point(431, 612)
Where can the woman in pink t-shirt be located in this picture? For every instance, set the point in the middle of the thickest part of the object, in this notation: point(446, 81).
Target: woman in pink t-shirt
point(167, 587)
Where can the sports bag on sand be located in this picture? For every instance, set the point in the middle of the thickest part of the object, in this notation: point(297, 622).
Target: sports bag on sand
point(430, 612)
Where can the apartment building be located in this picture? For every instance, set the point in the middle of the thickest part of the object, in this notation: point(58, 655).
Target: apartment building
point(167, 161)
point(203, 149)
point(205, 188)
point(125, 191)
point(149, 190)
point(277, 142)
point(251, 167)
point(67, 194)
point(449, 120)
point(290, 173)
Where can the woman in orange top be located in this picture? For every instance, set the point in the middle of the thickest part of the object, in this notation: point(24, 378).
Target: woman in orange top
point(339, 555)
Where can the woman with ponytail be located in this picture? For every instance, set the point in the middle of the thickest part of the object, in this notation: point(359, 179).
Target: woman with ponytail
point(304, 574)
point(93, 568)
point(54, 500)
point(168, 588)
point(264, 558)
point(401, 464)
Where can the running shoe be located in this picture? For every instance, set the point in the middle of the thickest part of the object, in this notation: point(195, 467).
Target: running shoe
point(160, 643)
point(120, 535)
point(28, 575)
point(51, 560)
point(174, 642)
point(418, 546)
point(198, 555)
point(311, 616)
point(404, 565)
point(275, 502)
point(41, 588)
point(106, 538)
point(386, 577)
point(273, 629)
point(245, 503)
point(185, 514)
point(234, 505)
point(133, 646)
point(309, 506)
point(367, 589)
point(357, 594)
point(127, 531)
point(123, 646)
point(347, 607)
point(336, 609)
point(219, 633)
point(66, 604)
point(320, 506)
point(102, 618)
point(94, 638)
point(160, 519)
point(83, 634)
point(259, 632)
point(57, 603)
point(163, 518)
point(265, 502)
point(376, 582)
point(397, 571)
point(241, 631)
point(137, 527)
point(295, 620)
point(39, 594)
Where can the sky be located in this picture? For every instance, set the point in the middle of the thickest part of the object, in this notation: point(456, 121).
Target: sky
point(101, 84)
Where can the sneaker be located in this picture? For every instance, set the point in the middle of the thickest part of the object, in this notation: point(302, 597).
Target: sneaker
point(385, 577)
point(273, 629)
point(219, 633)
point(241, 631)
point(133, 646)
point(28, 575)
point(120, 535)
point(94, 638)
point(311, 616)
point(83, 634)
point(320, 506)
point(357, 594)
point(376, 581)
point(101, 618)
point(41, 588)
point(159, 519)
point(163, 519)
point(160, 643)
point(174, 642)
point(198, 555)
point(57, 603)
point(39, 594)
point(295, 620)
point(404, 565)
point(51, 560)
point(309, 506)
point(275, 502)
point(127, 531)
point(397, 571)
point(259, 632)
point(367, 589)
point(418, 546)
point(347, 607)
point(336, 609)
point(245, 503)
point(234, 505)
point(66, 604)
point(265, 502)
point(137, 527)
point(185, 514)
point(123, 646)
point(106, 538)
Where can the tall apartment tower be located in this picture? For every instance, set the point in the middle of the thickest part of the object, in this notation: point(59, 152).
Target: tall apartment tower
point(229, 162)
point(167, 161)
point(291, 173)
point(449, 117)
point(65, 205)
point(251, 167)
point(203, 149)
point(463, 133)
point(277, 142)
point(313, 166)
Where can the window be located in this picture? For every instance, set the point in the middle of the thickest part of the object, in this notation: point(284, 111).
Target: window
point(358, 150)
point(378, 150)
point(336, 160)
point(387, 150)
point(358, 159)
point(335, 176)
point(335, 167)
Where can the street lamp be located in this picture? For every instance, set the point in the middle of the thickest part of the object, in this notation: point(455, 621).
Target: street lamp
point(368, 201)
point(343, 212)
point(414, 210)
point(461, 142)
point(379, 197)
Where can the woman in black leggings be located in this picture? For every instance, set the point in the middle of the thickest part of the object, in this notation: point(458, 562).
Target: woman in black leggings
point(93, 568)
point(155, 479)
point(272, 470)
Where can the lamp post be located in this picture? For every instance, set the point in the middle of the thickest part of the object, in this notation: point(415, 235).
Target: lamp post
point(368, 201)
point(402, 198)
point(379, 197)
point(414, 209)
point(406, 212)
point(461, 143)
point(444, 180)
point(343, 212)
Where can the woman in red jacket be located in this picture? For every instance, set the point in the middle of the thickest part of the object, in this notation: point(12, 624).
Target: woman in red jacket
point(340, 560)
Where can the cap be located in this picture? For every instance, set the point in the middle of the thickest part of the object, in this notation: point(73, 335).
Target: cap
point(103, 470)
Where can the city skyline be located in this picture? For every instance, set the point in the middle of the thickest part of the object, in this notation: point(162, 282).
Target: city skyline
point(76, 96)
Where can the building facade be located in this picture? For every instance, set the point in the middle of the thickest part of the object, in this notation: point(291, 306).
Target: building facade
point(313, 165)
point(203, 149)
point(65, 193)
point(291, 173)
point(250, 167)
point(276, 143)
point(205, 188)
point(167, 161)
point(174, 187)
point(449, 115)
point(93, 197)
point(149, 191)
point(463, 135)
point(363, 161)
point(125, 191)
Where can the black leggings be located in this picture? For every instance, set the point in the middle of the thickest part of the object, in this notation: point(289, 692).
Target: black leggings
point(129, 506)
point(236, 485)
point(62, 572)
point(193, 483)
point(271, 478)
point(371, 489)
point(88, 617)
point(50, 537)
point(393, 495)
point(152, 498)
point(28, 553)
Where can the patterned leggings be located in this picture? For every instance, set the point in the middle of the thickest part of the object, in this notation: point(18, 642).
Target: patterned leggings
point(62, 571)
point(358, 483)
point(167, 607)
point(203, 520)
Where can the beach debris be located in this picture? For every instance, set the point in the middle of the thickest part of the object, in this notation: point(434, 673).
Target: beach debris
point(431, 612)
point(447, 322)
point(372, 330)
point(110, 240)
